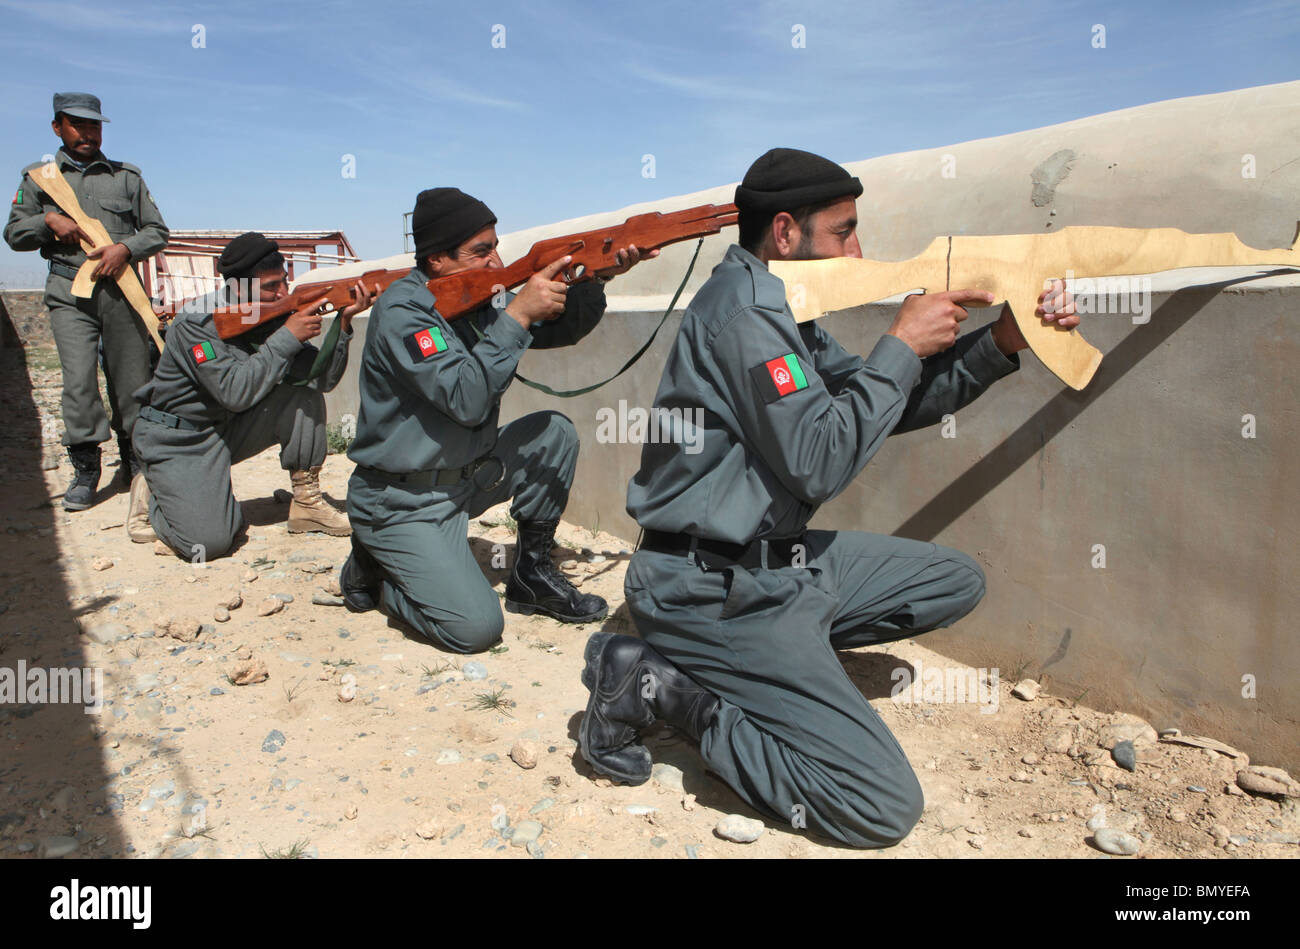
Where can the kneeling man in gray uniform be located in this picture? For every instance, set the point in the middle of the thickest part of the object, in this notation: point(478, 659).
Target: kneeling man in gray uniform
point(741, 606)
point(214, 402)
point(430, 454)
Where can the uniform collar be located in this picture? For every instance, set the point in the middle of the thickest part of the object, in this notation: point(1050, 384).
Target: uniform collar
point(769, 289)
point(64, 160)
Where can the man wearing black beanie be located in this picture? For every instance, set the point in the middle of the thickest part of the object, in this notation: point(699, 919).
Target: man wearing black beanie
point(428, 449)
point(741, 606)
point(214, 402)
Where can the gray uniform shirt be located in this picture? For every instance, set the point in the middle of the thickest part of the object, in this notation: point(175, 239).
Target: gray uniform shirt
point(430, 390)
point(790, 417)
point(205, 379)
point(113, 192)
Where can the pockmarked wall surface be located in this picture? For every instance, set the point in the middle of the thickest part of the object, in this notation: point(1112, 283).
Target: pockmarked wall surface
point(1139, 537)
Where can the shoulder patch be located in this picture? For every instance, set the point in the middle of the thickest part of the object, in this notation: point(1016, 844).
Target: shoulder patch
point(202, 352)
point(778, 377)
point(18, 196)
point(425, 343)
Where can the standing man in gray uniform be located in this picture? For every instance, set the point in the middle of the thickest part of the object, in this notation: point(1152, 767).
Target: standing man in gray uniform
point(114, 193)
point(213, 402)
point(428, 449)
point(741, 606)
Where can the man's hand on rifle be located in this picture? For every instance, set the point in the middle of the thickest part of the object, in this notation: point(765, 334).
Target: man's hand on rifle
point(304, 322)
point(929, 322)
point(362, 299)
point(66, 230)
point(542, 297)
point(113, 259)
point(627, 258)
point(1055, 305)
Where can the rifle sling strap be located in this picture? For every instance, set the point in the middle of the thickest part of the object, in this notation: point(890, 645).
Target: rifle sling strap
point(571, 393)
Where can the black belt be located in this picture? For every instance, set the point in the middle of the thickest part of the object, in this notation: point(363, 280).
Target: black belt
point(717, 554)
point(168, 420)
point(63, 270)
point(443, 477)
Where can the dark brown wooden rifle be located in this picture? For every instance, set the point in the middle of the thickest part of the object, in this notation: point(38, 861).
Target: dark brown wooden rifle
point(458, 293)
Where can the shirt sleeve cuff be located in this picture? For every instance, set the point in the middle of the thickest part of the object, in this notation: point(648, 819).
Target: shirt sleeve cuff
point(506, 332)
point(894, 358)
point(283, 343)
point(986, 362)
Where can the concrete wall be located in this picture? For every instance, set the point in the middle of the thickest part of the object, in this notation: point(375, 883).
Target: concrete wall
point(1199, 588)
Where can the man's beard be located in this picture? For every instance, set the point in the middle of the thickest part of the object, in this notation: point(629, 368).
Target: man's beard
point(805, 249)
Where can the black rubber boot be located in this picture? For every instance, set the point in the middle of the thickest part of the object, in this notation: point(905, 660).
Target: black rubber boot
point(359, 580)
point(535, 586)
point(631, 685)
point(85, 463)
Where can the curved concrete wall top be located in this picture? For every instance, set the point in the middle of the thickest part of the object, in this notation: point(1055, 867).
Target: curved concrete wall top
point(1177, 163)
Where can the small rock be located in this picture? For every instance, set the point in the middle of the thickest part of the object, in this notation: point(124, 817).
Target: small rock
point(524, 754)
point(101, 563)
point(1124, 727)
point(182, 628)
point(274, 741)
point(221, 614)
point(1125, 755)
point(741, 830)
point(270, 606)
point(526, 832)
point(474, 671)
point(1116, 842)
point(54, 847)
point(1026, 689)
point(544, 804)
point(351, 812)
point(1177, 815)
point(1022, 777)
point(250, 673)
point(448, 756)
point(668, 776)
point(233, 601)
point(283, 597)
point(429, 830)
point(216, 691)
point(331, 586)
point(326, 599)
point(249, 576)
point(640, 810)
point(688, 802)
point(104, 633)
point(1258, 779)
point(1029, 759)
point(1026, 832)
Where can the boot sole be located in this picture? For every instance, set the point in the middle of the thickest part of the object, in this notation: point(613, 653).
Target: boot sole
point(528, 609)
point(590, 676)
point(318, 529)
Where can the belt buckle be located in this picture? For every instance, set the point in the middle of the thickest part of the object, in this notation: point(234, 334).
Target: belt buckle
point(477, 467)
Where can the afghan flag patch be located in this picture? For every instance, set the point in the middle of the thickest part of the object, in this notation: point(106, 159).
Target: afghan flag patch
point(779, 377)
point(202, 352)
point(426, 343)
point(18, 196)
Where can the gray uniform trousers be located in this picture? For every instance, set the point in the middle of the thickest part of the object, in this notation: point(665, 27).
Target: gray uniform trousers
point(418, 534)
point(79, 326)
point(793, 735)
point(192, 507)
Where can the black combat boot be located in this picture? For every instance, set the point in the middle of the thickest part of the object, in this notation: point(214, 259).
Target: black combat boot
point(85, 463)
point(359, 580)
point(631, 685)
point(128, 468)
point(535, 586)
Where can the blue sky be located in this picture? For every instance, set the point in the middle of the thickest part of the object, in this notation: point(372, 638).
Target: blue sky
point(250, 130)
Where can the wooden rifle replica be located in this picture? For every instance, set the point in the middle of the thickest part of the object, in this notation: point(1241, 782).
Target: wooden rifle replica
point(459, 293)
point(50, 180)
point(1015, 269)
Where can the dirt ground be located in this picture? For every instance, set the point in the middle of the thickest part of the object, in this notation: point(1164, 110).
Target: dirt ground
point(184, 762)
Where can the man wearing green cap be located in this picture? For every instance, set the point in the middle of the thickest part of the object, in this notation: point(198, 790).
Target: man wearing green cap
point(430, 454)
point(741, 606)
point(214, 402)
point(114, 193)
